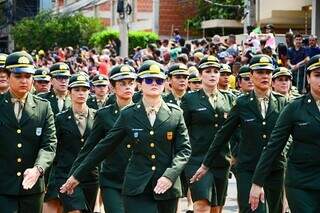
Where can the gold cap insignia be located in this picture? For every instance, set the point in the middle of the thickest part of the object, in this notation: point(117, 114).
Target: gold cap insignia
point(264, 59)
point(212, 58)
point(63, 67)
point(23, 60)
point(182, 66)
point(125, 69)
point(81, 78)
point(100, 78)
point(44, 72)
point(154, 68)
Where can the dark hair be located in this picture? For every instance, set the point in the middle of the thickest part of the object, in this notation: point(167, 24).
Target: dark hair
point(282, 49)
point(297, 35)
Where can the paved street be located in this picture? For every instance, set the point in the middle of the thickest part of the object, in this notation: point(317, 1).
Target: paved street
point(231, 204)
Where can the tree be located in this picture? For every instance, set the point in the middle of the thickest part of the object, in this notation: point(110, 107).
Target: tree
point(217, 9)
point(47, 30)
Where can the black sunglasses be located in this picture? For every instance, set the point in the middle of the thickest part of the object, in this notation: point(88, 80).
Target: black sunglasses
point(159, 81)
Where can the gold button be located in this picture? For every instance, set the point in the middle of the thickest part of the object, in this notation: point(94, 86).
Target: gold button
point(251, 99)
point(19, 145)
point(263, 123)
point(151, 144)
point(264, 136)
point(216, 115)
point(19, 160)
point(82, 140)
point(138, 106)
point(309, 100)
point(151, 132)
point(153, 156)
point(216, 125)
point(18, 174)
point(153, 168)
point(128, 146)
point(18, 131)
point(116, 111)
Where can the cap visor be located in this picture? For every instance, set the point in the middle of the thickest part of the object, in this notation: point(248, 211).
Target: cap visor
point(23, 70)
point(149, 75)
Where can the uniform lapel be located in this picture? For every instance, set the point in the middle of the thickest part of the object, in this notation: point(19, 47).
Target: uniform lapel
point(54, 102)
point(71, 123)
point(28, 109)
point(312, 107)
point(204, 101)
point(6, 110)
point(162, 115)
point(67, 103)
point(89, 123)
point(272, 105)
point(253, 105)
point(141, 115)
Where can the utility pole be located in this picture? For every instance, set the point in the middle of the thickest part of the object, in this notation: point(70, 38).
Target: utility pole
point(10, 20)
point(124, 9)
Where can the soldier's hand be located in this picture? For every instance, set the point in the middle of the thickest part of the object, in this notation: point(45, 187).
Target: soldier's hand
point(30, 177)
point(256, 195)
point(199, 173)
point(69, 186)
point(163, 184)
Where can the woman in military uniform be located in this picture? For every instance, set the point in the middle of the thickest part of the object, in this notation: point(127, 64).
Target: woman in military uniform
point(161, 148)
point(100, 97)
point(301, 120)
point(113, 167)
point(73, 127)
point(204, 112)
point(256, 115)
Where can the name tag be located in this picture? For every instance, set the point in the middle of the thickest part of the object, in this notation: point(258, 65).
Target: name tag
point(38, 131)
point(134, 130)
point(201, 109)
point(249, 120)
point(303, 124)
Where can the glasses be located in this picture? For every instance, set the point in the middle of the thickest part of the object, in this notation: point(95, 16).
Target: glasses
point(159, 81)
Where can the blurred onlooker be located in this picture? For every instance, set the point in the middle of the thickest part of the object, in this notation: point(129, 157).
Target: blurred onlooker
point(298, 54)
point(176, 35)
point(289, 39)
point(313, 49)
point(282, 55)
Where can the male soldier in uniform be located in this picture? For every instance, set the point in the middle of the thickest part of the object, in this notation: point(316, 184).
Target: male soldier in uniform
point(100, 85)
point(41, 80)
point(28, 140)
point(58, 96)
point(178, 80)
point(244, 80)
point(194, 82)
point(225, 73)
point(4, 74)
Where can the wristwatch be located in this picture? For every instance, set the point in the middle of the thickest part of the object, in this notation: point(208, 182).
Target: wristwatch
point(40, 170)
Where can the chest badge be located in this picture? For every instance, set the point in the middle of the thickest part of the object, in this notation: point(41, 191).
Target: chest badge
point(169, 136)
point(38, 131)
point(136, 134)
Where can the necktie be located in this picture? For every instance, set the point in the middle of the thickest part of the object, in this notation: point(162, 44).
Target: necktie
point(100, 103)
point(81, 122)
point(17, 107)
point(60, 103)
point(264, 106)
point(213, 99)
point(152, 115)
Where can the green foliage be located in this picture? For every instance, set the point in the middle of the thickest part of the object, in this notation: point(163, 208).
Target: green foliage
point(136, 38)
point(46, 30)
point(207, 11)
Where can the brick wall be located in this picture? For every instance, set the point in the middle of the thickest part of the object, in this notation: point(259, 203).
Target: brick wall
point(144, 5)
point(175, 13)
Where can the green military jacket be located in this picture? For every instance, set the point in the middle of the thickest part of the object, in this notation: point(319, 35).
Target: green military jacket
point(169, 98)
point(51, 97)
point(254, 131)
point(203, 122)
point(114, 165)
point(70, 142)
point(301, 120)
point(25, 144)
point(161, 150)
point(92, 102)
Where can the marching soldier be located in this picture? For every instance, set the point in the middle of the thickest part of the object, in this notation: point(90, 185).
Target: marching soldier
point(256, 113)
point(204, 113)
point(113, 167)
point(28, 141)
point(73, 127)
point(301, 120)
point(41, 80)
point(244, 81)
point(100, 85)
point(4, 74)
point(194, 82)
point(60, 101)
point(178, 80)
point(225, 73)
point(161, 148)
